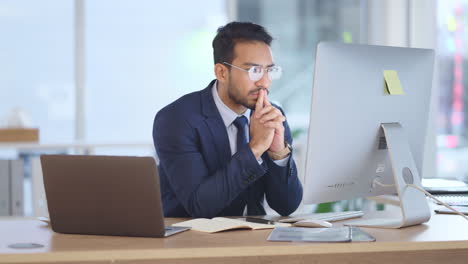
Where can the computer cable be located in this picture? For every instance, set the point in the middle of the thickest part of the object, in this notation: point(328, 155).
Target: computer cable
point(426, 193)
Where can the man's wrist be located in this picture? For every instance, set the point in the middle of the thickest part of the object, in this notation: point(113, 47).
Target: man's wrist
point(257, 153)
point(279, 155)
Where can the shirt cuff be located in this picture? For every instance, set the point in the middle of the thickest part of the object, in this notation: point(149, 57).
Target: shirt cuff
point(282, 162)
point(260, 161)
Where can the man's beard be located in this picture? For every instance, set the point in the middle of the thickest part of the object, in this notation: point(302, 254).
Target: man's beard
point(237, 98)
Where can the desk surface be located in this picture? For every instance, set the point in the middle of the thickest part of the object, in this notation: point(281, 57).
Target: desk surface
point(443, 239)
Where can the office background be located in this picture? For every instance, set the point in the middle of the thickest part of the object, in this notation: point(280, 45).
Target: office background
point(98, 71)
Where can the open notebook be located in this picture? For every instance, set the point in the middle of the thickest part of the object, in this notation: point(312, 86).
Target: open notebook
point(219, 224)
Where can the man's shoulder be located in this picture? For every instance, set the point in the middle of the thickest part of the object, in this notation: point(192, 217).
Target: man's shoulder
point(179, 116)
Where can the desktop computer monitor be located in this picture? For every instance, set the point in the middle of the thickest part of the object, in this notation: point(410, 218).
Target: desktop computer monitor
point(364, 139)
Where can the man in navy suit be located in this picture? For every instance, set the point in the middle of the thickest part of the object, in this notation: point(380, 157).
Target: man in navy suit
point(226, 148)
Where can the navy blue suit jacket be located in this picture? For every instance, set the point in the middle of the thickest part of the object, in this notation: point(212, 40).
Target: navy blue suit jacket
point(199, 178)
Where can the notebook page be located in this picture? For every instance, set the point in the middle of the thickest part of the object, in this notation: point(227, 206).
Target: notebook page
point(211, 225)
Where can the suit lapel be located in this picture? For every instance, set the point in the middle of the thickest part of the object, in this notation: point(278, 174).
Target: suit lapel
point(215, 124)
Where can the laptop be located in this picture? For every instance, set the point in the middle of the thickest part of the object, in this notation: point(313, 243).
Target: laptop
point(104, 195)
point(444, 186)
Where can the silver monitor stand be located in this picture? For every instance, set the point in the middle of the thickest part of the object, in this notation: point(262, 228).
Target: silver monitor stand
point(414, 207)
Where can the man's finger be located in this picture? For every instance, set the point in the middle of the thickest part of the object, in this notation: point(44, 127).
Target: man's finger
point(280, 119)
point(267, 102)
point(274, 125)
point(265, 110)
point(271, 115)
point(277, 126)
point(259, 104)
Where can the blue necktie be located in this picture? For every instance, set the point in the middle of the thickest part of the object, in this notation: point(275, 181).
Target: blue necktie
point(253, 207)
point(240, 123)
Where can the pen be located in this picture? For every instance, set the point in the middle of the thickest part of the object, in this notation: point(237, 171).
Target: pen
point(259, 220)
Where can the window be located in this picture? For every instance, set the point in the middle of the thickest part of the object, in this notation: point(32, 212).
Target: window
point(452, 54)
point(141, 56)
point(297, 27)
point(36, 65)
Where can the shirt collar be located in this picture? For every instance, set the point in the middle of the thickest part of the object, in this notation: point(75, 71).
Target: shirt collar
point(227, 114)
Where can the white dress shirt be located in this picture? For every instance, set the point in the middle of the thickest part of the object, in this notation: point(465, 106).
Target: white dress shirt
point(228, 116)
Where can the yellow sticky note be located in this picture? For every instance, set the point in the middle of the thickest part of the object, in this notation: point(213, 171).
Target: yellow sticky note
point(392, 83)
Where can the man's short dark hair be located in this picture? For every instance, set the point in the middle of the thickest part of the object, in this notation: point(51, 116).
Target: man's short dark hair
point(235, 32)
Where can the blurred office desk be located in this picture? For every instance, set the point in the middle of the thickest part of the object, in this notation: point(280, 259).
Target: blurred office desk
point(442, 240)
point(28, 152)
point(78, 146)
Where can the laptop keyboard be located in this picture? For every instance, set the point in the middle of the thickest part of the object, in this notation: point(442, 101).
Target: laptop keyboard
point(330, 217)
point(453, 199)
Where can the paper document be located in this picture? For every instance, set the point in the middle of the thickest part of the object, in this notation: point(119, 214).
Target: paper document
point(218, 224)
point(304, 234)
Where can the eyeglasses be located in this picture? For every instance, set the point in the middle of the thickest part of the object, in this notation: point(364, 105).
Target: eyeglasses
point(256, 72)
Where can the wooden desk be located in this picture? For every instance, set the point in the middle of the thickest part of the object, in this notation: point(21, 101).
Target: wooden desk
point(442, 240)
